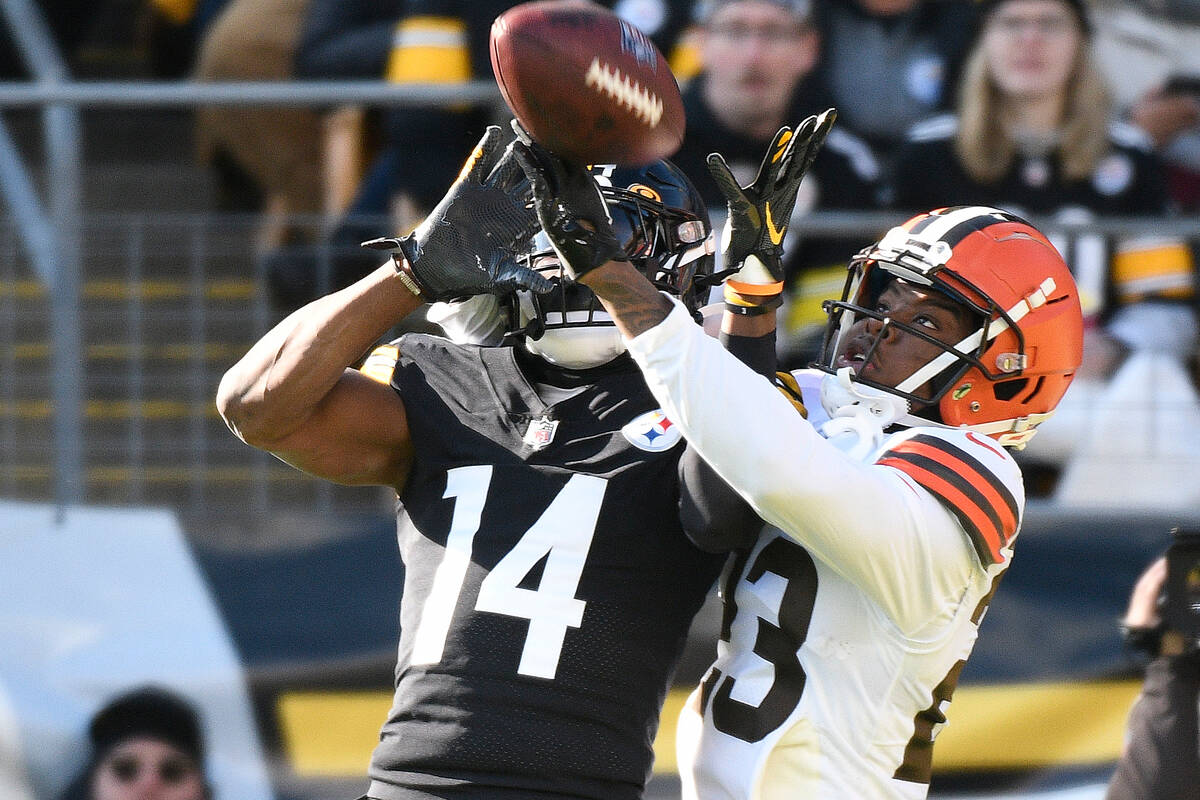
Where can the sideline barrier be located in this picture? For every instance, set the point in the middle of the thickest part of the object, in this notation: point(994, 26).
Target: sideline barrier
point(310, 627)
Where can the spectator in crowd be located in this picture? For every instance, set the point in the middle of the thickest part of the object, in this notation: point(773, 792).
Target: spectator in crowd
point(175, 29)
point(758, 56)
point(279, 148)
point(1161, 757)
point(887, 64)
point(350, 40)
point(1033, 134)
point(416, 41)
point(145, 745)
point(1149, 51)
point(891, 506)
point(545, 509)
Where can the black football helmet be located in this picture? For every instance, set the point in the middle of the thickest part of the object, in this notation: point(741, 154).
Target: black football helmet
point(662, 223)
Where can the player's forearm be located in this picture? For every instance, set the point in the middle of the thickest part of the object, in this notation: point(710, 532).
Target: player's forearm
point(283, 378)
point(748, 330)
point(631, 300)
point(735, 418)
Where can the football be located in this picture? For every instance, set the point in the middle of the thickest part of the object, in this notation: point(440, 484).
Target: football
point(586, 84)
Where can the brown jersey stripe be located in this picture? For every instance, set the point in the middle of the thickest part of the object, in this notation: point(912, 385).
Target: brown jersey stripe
point(969, 467)
point(982, 504)
point(984, 533)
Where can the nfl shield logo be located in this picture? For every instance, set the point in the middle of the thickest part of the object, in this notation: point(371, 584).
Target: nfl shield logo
point(540, 433)
point(652, 432)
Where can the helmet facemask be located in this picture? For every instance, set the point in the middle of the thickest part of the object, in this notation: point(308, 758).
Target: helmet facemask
point(671, 246)
point(924, 387)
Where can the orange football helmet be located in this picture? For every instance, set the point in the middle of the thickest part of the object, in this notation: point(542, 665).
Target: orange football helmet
point(1008, 374)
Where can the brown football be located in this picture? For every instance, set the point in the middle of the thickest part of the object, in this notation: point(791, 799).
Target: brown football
point(586, 84)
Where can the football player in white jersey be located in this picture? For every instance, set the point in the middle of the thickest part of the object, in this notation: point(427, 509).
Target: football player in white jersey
point(891, 510)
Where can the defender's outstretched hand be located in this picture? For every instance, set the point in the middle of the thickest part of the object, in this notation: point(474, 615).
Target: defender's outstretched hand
point(569, 206)
point(759, 213)
point(467, 243)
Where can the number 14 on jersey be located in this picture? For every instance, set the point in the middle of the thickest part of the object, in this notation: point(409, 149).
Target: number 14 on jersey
point(562, 536)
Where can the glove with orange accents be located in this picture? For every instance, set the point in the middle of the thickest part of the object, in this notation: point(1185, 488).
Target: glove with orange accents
point(752, 240)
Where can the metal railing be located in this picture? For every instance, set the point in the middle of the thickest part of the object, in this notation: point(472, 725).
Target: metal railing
point(50, 231)
point(74, 295)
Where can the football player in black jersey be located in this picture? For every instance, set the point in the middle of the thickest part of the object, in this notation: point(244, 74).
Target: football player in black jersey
point(545, 505)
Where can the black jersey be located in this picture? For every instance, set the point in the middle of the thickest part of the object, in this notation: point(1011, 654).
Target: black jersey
point(549, 586)
point(1128, 180)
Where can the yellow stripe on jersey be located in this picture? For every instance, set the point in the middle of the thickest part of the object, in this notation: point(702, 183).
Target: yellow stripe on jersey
point(178, 11)
point(786, 383)
point(812, 287)
point(429, 50)
point(685, 59)
point(380, 365)
point(1152, 267)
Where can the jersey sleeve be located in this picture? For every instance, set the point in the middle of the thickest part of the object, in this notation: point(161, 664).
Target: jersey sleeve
point(714, 516)
point(872, 523)
point(967, 480)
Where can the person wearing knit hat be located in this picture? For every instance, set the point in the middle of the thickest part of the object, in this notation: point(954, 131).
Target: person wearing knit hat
point(146, 745)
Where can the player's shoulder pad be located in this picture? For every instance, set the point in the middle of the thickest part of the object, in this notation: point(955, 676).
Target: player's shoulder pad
point(380, 365)
point(943, 126)
point(972, 475)
point(856, 152)
point(1130, 136)
point(787, 385)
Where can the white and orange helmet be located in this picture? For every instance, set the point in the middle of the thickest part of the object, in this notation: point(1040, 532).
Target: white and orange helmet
point(1010, 372)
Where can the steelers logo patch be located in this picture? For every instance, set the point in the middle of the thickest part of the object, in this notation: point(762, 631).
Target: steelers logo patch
point(652, 432)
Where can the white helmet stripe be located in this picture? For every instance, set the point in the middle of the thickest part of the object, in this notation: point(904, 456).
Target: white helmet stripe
point(937, 228)
point(1022, 307)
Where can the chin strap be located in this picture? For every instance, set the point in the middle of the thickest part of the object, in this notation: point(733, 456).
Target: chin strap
point(860, 413)
point(857, 414)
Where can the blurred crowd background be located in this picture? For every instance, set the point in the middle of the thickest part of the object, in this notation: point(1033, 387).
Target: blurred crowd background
point(179, 174)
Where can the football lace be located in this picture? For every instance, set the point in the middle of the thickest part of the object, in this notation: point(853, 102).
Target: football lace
point(627, 92)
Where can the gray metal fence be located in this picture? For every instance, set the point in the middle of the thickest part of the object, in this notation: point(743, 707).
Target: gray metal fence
point(115, 328)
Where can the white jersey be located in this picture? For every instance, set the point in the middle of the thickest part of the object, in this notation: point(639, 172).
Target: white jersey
point(848, 622)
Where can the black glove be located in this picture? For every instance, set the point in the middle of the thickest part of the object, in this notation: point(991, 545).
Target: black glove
point(570, 208)
point(759, 213)
point(468, 243)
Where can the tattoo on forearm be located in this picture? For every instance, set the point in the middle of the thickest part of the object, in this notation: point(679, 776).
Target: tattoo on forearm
point(636, 307)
